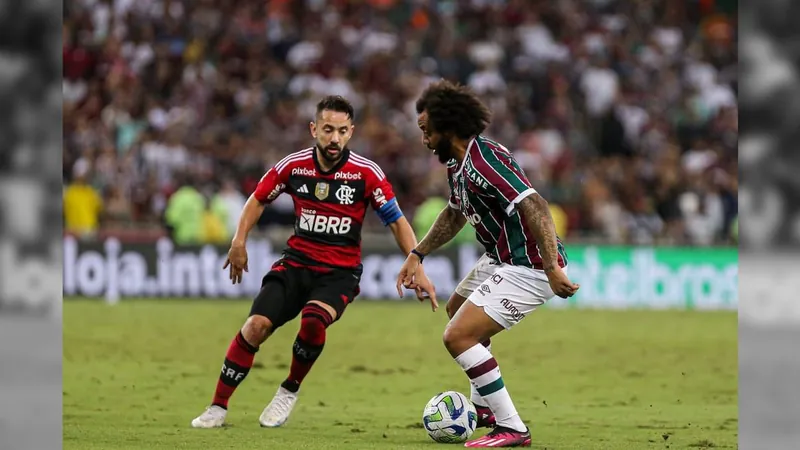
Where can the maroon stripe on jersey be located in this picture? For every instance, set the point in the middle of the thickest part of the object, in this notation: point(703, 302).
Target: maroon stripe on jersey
point(502, 244)
point(488, 172)
point(505, 157)
point(481, 229)
point(530, 242)
point(502, 154)
point(482, 368)
point(484, 232)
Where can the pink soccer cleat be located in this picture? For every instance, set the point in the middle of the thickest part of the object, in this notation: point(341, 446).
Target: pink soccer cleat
point(502, 437)
point(485, 417)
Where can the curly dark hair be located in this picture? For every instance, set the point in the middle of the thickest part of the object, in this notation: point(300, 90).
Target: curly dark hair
point(335, 103)
point(454, 108)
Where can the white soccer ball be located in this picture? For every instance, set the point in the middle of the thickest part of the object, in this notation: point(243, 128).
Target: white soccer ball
point(449, 417)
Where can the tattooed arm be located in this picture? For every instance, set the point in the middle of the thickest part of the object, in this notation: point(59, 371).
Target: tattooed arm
point(447, 225)
point(536, 212)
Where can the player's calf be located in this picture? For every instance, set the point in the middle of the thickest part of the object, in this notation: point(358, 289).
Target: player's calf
point(240, 356)
point(462, 338)
point(238, 361)
point(453, 305)
point(486, 418)
point(307, 347)
point(314, 321)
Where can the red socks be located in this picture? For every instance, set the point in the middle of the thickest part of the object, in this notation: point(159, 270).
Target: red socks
point(238, 362)
point(308, 345)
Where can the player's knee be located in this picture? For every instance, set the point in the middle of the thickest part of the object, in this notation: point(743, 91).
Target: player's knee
point(314, 320)
point(454, 338)
point(311, 337)
point(257, 329)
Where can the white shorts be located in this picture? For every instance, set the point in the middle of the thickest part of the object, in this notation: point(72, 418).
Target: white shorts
point(482, 270)
point(506, 293)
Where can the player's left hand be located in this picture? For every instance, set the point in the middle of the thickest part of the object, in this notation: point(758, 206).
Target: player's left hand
point(561, 284)
point(405, 279)
point(412, 276)
point(424, 288)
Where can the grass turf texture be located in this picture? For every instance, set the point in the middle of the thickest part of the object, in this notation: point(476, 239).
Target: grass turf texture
point(137, 373)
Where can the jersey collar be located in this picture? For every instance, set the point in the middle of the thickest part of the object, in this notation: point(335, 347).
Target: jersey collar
point(337, 167)
point(466, 153)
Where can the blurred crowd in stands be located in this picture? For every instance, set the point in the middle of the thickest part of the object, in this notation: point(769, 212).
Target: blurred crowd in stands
point(623, 113)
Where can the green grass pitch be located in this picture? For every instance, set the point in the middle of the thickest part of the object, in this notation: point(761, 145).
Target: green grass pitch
point(135, 375)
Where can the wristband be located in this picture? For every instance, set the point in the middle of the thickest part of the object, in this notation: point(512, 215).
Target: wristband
point(418, 253)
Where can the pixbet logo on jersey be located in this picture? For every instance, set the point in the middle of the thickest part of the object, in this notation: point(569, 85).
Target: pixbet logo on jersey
point(304, 172)
point(311, 221)
point(347, 176)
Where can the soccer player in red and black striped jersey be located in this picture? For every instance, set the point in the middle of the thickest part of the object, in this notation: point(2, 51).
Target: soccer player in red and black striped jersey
point(318, 275)
point(524, 264)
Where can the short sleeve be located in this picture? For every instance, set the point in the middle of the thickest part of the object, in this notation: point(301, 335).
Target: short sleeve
point(381, 197)
point(380, 191)
point(452, 202)
point(271, 185)
point(505, 179)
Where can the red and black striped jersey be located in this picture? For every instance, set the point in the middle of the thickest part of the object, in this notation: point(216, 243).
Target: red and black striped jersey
point(329, 206)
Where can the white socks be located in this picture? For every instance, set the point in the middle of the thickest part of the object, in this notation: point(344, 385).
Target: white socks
point(484, 374)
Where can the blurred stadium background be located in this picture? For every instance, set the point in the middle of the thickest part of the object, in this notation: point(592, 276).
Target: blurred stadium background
point(624, 114)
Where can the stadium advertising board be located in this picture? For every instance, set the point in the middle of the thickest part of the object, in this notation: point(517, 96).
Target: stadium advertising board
point(610, 277)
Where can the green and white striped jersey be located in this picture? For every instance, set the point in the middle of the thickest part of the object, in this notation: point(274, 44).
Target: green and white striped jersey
point(486, 187)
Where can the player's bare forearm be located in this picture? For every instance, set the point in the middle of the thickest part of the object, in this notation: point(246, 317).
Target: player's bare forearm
point(536, 212)
point(447, 225)
point(404, 235)
point(250, 214)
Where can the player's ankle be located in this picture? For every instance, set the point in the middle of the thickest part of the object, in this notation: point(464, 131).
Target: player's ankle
point(291, 386)
point(514, 424)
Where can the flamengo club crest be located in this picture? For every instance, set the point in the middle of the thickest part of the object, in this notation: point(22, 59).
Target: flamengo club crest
point(322, 190)
point(345, 194)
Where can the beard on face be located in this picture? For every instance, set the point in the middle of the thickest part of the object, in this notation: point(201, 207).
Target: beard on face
point(444, 150)
point(331, 153)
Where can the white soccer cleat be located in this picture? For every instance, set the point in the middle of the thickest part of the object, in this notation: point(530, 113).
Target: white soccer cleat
point(278, 410)
point(212, 417)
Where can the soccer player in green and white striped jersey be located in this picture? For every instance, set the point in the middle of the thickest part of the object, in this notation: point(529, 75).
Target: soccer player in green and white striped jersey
point(524, 265)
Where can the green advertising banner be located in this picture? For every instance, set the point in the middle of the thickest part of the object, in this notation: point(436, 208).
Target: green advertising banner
point(610, 277)
point(654, 277)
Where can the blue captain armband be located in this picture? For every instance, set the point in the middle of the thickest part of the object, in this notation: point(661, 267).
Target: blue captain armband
point(390, 212)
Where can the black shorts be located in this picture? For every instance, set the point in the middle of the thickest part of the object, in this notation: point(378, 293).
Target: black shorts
point(287, 288)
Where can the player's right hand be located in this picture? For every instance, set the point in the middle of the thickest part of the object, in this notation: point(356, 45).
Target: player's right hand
point(561, 285)
point(237, 260)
